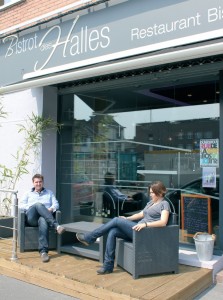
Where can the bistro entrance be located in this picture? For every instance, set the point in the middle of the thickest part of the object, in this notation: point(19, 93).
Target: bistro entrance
point(141, 126)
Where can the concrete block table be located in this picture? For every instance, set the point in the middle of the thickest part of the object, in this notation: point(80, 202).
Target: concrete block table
point(68, 243)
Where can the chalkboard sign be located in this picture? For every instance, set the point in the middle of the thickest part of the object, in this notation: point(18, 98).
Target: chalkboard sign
point(195, 214)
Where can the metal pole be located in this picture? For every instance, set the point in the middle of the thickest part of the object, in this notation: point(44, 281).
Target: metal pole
point(221, 162)
point(14, 214)
point(178, 170)
point(15, 231)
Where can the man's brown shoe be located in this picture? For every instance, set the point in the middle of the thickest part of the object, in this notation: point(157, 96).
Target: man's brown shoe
point(104, 271)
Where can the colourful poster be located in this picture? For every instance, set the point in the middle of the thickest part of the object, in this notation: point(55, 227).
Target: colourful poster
point(209, 153)
point(209, 177)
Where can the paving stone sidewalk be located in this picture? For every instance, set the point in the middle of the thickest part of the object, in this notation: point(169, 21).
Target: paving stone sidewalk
point(214, 293)
point(13, 289)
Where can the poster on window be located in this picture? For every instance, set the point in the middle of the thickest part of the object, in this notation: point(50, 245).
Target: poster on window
point(209, 153)
point(209, 177)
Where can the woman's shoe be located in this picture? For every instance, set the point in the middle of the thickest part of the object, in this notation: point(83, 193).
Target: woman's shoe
point(103, 271)
point(80, 237)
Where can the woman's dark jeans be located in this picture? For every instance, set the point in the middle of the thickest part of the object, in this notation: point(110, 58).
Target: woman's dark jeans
point(116, 228)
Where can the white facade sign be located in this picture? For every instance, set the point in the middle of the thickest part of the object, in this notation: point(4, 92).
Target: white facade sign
point(122, 30)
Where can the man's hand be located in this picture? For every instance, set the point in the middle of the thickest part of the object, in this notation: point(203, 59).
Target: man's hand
point(50, 209)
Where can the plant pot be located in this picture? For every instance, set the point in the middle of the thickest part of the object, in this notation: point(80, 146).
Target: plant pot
point(6, 222)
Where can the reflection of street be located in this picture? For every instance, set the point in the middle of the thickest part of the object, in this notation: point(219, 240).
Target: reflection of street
point(159, 151)
point(83, 190)
point(83, 195)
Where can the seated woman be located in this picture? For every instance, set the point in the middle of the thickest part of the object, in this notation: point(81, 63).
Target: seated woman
point(155, 214)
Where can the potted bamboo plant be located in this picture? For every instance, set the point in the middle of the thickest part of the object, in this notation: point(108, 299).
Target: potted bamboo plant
point(32, 134)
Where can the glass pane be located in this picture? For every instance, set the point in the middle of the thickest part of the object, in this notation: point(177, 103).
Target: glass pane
point(116, 142)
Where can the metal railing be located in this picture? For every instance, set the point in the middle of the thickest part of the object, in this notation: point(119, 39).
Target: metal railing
point(14, 215)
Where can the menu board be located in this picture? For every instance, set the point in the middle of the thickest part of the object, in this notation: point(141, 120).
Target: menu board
point(195, 214)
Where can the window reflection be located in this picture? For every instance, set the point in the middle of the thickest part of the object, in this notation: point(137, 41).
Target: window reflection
point(138, 144)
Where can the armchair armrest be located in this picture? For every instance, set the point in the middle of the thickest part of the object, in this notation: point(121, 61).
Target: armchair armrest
point(58, 216)
point(21, 218)
point(21, 228)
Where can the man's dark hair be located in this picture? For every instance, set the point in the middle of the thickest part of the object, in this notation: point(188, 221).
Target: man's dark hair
point(109, 178)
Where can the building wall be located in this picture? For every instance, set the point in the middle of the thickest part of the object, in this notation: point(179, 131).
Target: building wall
point(30, 9)
point(19, 106)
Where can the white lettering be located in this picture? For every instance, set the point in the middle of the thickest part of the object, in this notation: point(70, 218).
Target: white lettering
point(159, 29)
point(73, 44)
point(215, 14)
point(135, 33)
point(68, 36)
point(53, 41)
point(20, 46)
point(105, 37)
point(212, 15)
point(53, 46)
point(12, 46)
point(74, 49)
point(93, 40)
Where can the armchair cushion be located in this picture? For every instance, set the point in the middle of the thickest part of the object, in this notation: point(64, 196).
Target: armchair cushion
point(28, 236)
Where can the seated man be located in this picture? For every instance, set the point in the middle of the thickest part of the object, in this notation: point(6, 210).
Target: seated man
point(119, 197)
point(39, 205)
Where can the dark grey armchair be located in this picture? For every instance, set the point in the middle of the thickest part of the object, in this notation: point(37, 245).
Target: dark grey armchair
point(153, 250)
point(28, 236)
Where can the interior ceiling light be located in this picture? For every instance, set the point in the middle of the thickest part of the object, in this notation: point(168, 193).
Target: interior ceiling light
point(189, 95)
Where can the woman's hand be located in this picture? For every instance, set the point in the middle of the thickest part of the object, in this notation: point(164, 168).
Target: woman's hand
point(139, 226)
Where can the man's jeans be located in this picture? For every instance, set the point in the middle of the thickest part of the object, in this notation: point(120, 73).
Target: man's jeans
point(116, 228)
point(39, 215)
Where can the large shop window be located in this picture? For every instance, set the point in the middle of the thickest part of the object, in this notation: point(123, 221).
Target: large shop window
point(129, 137)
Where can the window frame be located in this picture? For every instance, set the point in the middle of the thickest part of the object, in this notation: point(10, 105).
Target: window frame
point(11, 3)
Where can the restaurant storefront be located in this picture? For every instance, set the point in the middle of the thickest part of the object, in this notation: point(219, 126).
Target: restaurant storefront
point(142, 131)
point(139, 96)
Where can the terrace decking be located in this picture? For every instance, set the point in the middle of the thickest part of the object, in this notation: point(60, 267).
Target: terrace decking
point(76, 276)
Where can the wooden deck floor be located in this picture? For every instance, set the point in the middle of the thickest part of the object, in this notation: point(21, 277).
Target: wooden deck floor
point(76, 276)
